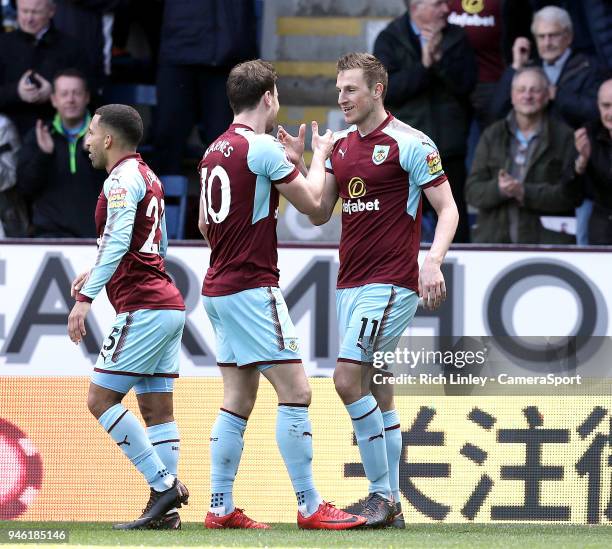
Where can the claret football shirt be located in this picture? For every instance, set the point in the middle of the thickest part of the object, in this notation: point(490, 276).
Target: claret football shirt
point(380, 180)
point(238, 174)
point(131, 224)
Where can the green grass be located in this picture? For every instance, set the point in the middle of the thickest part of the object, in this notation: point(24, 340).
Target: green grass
point(470, 536)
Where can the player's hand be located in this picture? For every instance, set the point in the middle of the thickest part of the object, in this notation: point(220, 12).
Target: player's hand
point(521, 50)
point(78, 283)
point(322, 143)
point(294, 146)
point(76, 321)
point(43, 138)
point(432, 288)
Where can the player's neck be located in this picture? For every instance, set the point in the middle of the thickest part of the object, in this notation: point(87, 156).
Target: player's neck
point(374, 119)
point(252, 119)
point(114, 157)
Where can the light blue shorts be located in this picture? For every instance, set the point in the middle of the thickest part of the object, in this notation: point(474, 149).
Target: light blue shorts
point(372, 318)
point(141, 351)
point(253, 328)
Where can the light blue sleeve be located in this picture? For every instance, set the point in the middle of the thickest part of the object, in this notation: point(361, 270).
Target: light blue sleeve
point(267, 157)
point(421, 159)
point(123, 196)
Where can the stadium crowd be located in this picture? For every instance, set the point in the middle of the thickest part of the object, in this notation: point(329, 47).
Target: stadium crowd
point(514, 93)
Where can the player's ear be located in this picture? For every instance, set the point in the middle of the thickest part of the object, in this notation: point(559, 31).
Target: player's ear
point(378, 90)
point(108, 141)
point(267, 98)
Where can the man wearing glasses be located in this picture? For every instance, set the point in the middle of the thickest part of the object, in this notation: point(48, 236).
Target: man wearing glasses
point(574, 77)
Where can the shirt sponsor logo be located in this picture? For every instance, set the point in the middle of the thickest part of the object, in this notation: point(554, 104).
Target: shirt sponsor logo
point(117, 198)
point(380, 154)
point(434, 162)
point(356, 187)
point(472, 6)
point(355, 206)
point(471, 20)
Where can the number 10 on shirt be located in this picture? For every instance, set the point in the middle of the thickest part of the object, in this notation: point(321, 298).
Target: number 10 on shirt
point(218, 172)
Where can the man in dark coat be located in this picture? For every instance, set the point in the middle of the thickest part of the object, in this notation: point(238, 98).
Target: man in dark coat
point(432, 70)
point(201, 41)
point(29, 58)
point(594, 166)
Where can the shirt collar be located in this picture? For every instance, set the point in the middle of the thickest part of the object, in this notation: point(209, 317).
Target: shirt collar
point(558, 64)
point(517, 133)
point(122, 160)
point(41, 33)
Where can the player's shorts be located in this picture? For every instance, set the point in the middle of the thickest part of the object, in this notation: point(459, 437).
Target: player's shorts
point(141, 351)
point(252, 328)
point(371, 318)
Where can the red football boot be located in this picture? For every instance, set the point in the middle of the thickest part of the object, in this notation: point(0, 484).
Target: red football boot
point(328, 517)
point(235, 519)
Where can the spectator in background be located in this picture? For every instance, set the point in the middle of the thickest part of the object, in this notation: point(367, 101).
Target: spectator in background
point(29, 57)
point(146, 14)
point(201, 40)
point(574, 77)
point(54, 172)
point(491, 28)
point(592, 20)
point(90, 23)
point(594, 166)
point(516, 174)
point(13, 216)
point(432, 70)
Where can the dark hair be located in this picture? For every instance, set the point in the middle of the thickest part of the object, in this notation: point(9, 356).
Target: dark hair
point(125, 120)
point(72, 73)
point(373, 70)
point(247, 82)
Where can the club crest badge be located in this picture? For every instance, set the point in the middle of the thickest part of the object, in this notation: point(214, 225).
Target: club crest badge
point(380, 154)
point(293, 345)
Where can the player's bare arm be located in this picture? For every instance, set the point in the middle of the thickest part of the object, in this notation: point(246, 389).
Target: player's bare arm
point(431, 281)
point(328, 201)
point(305, 192)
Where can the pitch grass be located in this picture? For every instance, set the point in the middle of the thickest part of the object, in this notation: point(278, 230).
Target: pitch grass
point(468, 536)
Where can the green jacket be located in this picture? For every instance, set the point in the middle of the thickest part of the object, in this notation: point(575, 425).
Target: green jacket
point(547, 192)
